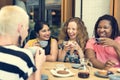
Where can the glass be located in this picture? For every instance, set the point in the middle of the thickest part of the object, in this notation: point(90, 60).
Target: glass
point(86, 64)
point(60, 66)
point(87, 67)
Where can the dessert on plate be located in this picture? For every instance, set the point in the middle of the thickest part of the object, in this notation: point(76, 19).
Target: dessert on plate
point(62, 72)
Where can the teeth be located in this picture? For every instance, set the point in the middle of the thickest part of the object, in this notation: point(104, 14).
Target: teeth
point(103, 34)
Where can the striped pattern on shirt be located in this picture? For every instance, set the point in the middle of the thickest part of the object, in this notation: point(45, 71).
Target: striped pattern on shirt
point(15, 63)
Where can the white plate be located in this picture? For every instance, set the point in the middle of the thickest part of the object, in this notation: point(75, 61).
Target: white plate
point(54, 72)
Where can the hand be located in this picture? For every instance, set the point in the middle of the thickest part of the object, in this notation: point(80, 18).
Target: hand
point(107, 42)
point(36, 44)
point(110, 64)
point(76, 46)
point(67, 46)
point(40, 57)
point(71, 45)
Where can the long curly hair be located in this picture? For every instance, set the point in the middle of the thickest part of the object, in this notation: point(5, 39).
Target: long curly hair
point(82, 35)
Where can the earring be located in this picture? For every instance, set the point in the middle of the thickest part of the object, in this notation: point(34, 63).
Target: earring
point(19, 40)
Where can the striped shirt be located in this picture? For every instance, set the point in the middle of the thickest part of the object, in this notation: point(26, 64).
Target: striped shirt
point(15, 63)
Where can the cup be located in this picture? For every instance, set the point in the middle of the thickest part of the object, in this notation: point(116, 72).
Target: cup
point(32, 49)
point(97, 40)
point(60, 66)
point(43, 43)
point(65, 43)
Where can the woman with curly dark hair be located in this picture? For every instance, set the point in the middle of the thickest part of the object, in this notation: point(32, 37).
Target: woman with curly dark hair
point(104, 50)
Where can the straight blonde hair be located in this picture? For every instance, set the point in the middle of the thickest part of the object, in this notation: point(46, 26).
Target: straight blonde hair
point(10, 17)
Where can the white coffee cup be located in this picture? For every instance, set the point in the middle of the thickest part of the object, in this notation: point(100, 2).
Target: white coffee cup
point(33, 49)
point(43, 43)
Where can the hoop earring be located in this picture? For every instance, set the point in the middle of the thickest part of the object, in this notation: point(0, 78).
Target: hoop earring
point(19, 40)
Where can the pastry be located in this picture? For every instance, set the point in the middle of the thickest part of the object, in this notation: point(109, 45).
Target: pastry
point(62, 72)
point(102, 72)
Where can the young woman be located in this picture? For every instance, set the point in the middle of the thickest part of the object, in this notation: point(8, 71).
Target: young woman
point(105, 52)
point(43, 33)
point(72, 40)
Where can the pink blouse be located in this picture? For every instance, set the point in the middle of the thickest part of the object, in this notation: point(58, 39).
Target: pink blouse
point(104, 53)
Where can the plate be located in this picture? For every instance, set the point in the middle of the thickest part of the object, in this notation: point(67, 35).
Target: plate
point(77, 66)
point(114, 77)
point(54, 72)
point(99, 75)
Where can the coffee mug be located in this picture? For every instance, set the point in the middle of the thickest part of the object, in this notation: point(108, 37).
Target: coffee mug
point(33, 49)
point(43, 43)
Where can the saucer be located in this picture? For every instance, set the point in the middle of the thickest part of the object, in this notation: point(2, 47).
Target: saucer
point(99, 75)
point(114, 77)
point(76, 66)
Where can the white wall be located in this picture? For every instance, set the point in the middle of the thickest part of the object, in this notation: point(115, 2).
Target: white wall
point(92, 9)
point(77, 8)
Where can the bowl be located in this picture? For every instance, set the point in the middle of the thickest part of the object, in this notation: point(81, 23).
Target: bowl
point(114, 77)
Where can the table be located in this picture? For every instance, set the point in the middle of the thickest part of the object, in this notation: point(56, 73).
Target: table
point(47, 66)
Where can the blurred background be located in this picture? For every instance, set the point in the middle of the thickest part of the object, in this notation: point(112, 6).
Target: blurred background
point(56, 12)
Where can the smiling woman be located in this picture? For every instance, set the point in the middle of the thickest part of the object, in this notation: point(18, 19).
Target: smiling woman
point(106, 53)
point(72, 40)
point(43, 34)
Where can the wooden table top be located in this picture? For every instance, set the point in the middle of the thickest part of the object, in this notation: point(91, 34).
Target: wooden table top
point(47, 66)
